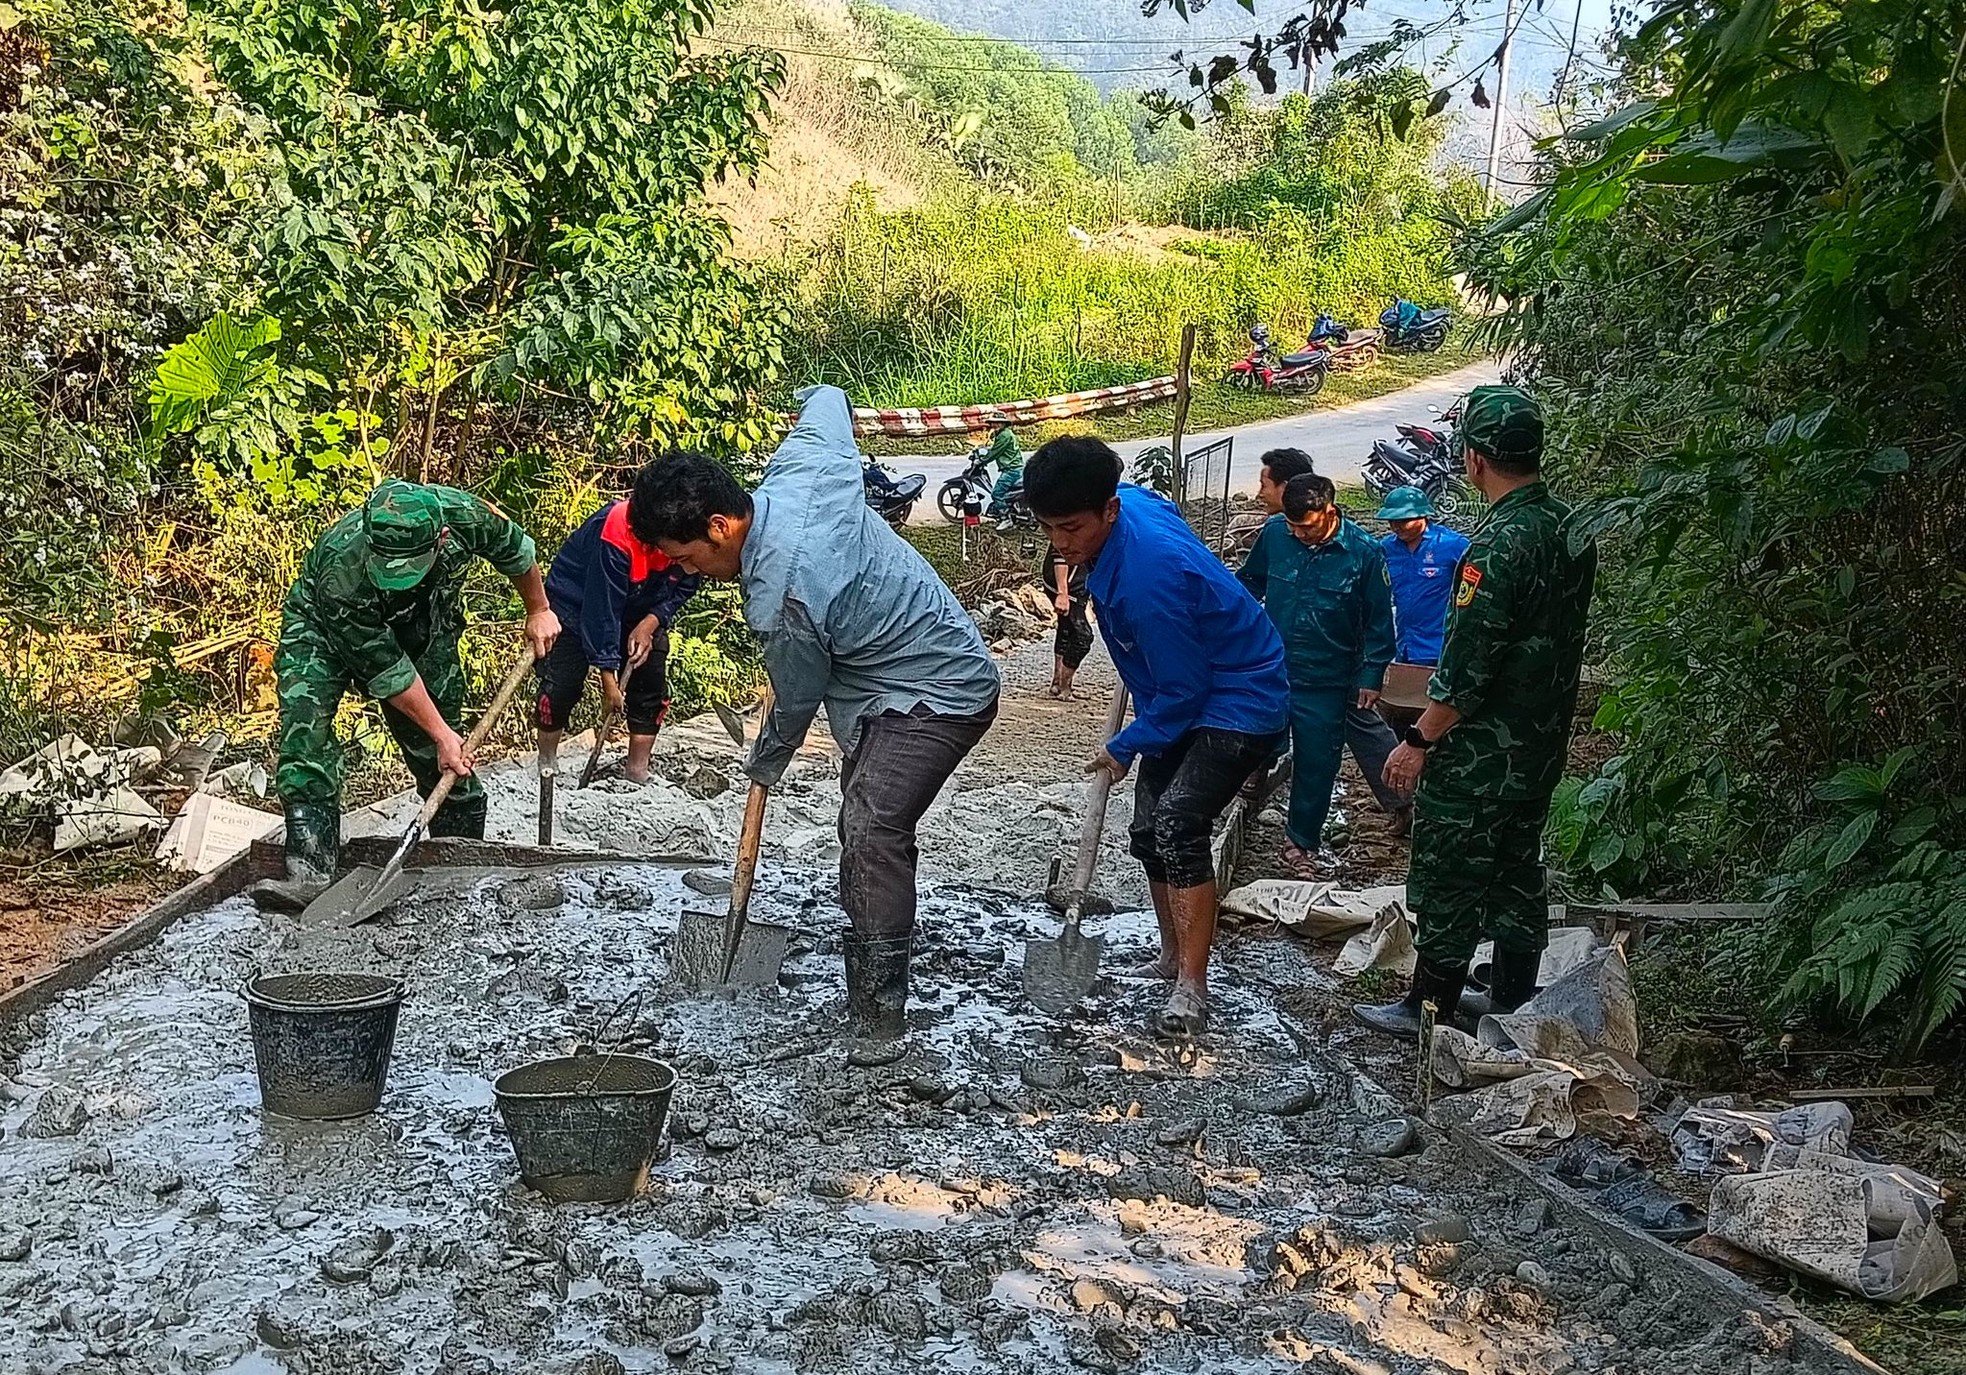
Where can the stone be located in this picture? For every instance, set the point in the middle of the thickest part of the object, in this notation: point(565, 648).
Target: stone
point(1700, 1058)
point(705, 783)
point(965, 1283)
point(899, 1316)
point(1181, 1133)
point(280, 1326)
point(598, 1363)
point(1621, 1268)
point(165, 1182)
point(1050, 1073)
point(694, 1283)
point(1284, 1100)
point(1147, 1249)
point(15, 1243)
point(61, 1112)
point(94, 1160)
point(1534, 1216)
point(1535, 1276)
point(533, 893)
point(868, 1054)
point(926, 1088)
point(1447, 1229)
point(1145, 1183)
point(707, 882)
point(1088, 1294)
point(679, 1348)
point(1389, 1139)
point(834, 1186)
point(352, 1261)
point(1133, 1221)
point(723, 1139)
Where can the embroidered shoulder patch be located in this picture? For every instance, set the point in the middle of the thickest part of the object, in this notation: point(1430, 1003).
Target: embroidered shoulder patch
point(1470, 580)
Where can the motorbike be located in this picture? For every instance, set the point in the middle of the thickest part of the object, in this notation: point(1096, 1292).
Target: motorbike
point(891, 495)
point(1346, 347)
point(1423, 456)
point(965, 499)
point(1262, 370)
point(1411, 329)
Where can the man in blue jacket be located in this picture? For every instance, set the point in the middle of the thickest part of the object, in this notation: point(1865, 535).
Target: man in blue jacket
point(1420, 558)
point(620, 594)
point(1323, 580)
point(1206, 671)
point(851, 616)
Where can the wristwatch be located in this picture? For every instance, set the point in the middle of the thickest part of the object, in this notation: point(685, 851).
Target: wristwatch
point(1417, 740)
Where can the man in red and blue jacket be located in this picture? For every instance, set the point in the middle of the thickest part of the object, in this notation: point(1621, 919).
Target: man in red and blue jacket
point(617, 594)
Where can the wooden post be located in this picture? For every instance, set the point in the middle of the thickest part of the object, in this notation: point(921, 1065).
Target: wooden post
point(1182, 385)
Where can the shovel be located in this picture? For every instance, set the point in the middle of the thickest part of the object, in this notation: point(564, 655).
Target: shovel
point(601, 734)
point(716, 948)
point(367, 890)
point(1060, 972)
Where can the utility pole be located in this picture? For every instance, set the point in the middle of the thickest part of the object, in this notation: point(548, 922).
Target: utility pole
point(1307, 61)
point(1501, 100)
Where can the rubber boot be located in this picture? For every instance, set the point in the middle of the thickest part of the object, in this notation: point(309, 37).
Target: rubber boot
point(1513, 979)
point(876, 998)
point(1431, 984)
point(313, 848)
point(461, 820)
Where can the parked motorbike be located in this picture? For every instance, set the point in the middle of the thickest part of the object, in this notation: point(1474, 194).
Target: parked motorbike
point(891, 495)
point(965, 499)
point(1423, 456)
point(1346, 347)
point(1262, 370)
point(1411, 329)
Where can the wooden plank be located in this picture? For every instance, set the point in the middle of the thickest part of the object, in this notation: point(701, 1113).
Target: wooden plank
point(1872, 1091)
point(1682, 911)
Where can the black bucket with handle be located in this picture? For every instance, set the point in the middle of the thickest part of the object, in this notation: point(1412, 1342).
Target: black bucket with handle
point(585, 1127)
point(322, 1041)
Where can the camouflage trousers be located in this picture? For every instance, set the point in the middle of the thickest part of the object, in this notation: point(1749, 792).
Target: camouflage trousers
point(312, 684)
point(1477, 870)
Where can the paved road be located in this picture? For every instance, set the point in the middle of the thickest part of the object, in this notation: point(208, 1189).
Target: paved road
point(1337, 439)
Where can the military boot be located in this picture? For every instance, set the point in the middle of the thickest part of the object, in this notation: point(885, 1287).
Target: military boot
point(1432, 983)
point(1512, 982)
point(461, 819)
point(876, 998)
point(313, 848)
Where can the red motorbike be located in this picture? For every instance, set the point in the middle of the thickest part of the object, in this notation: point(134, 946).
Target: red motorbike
point(1262, 370)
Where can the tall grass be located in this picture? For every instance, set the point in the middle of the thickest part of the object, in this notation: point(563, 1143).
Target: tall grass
point(981, 297)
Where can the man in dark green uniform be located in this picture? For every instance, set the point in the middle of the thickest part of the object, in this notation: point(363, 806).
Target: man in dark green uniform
point(378, 607)
point(1488, 751)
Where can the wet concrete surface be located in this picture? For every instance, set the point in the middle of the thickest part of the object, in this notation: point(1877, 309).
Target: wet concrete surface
point(1018, 1194)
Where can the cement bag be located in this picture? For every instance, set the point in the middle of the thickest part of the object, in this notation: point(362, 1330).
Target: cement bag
point(1717, 1140)
point(1386, 944)
point(1873, 1237)
point(1308, 907)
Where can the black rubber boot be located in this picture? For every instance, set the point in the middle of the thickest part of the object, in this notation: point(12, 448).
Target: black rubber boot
point(1512, 981)
point(461, 820)
point(313, 848)
point(876, 998)
point(1431, 984)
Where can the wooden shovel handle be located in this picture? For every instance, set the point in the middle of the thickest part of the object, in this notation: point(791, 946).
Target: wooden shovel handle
point(500, 701)
point(749, 841)
point(1094, 824)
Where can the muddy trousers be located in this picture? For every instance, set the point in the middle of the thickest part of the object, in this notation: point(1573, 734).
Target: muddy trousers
point(1477, 870)
point(311, 769)
point(898, 765)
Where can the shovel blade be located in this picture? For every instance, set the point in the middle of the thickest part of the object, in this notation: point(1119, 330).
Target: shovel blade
point(355, 897)
point(1059, 973)
point(697, 960)
point(732, 723)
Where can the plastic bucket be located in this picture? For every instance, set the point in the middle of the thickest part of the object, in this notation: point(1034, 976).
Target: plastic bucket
point(322, 1041)
point(585, 1126)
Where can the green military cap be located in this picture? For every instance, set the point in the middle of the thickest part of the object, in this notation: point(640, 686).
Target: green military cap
point(1503, 421)
point(404, 525)
point(1406, 503)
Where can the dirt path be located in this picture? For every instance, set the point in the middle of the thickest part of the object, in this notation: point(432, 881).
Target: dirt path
point(1020, 1194)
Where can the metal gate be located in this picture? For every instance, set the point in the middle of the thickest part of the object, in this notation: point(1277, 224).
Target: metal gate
point(1202, 484)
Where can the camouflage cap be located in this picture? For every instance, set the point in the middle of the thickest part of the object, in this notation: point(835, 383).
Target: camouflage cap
point(1503, 421)
point(403, 525)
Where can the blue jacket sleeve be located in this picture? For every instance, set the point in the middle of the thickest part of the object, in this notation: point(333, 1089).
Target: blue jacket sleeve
point(673, 588)
point(600, 607)
point(799, 666)
point(821, 448)
point(1177, 668)
point(1378, 641)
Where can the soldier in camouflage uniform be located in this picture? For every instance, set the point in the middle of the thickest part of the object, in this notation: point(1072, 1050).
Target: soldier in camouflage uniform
point(378, 607)
point(1487, 753)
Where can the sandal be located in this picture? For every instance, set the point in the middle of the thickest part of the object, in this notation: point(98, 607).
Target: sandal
point(1647, 1205)
point(1148, 969)
point(1299, 861)
point(1184, 1018)
point(1591, 1162)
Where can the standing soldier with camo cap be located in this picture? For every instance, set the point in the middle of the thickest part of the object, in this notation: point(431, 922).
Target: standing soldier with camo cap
point(378, 607)
point(1488, 751)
